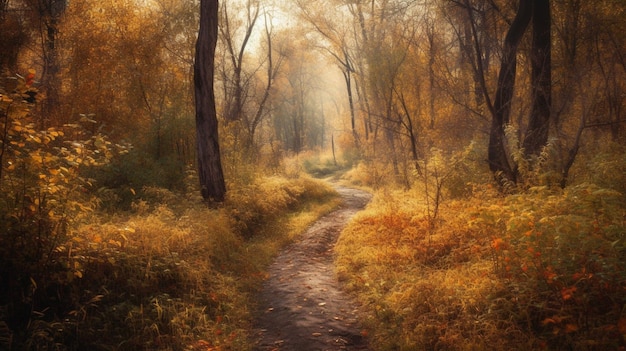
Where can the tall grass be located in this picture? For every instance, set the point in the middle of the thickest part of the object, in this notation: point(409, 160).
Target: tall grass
point(172, 274)
point(541, 270)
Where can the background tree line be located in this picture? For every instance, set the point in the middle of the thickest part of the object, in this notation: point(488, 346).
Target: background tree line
point(416, 76)
point(425, 74)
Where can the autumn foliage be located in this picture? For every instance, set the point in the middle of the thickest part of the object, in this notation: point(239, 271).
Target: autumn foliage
point(169, 274)
point(543, 269)
point(105, 243)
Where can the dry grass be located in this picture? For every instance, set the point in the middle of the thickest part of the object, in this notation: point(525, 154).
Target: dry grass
point(456, 285)
point(174, 275)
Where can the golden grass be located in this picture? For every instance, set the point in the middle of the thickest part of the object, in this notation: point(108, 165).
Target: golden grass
point(450, 287)
point(178, 276)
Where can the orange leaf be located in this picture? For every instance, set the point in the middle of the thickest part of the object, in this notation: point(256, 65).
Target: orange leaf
point(554, 320)
point(549, 275)
point(497, 243)
point(567, 293)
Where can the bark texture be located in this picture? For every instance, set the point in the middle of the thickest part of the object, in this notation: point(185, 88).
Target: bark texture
point(536, 135)
point(210, 172)
point(497, 151)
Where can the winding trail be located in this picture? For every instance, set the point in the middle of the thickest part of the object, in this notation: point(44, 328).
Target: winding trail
point(302, 307)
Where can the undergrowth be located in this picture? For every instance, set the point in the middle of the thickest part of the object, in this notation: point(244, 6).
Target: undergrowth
point(545, 269)
point(170, 274)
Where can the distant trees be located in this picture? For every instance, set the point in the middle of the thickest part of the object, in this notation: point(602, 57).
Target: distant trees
point(408, 79)
point(246, 91)
point(445, 74)
point(236, 82)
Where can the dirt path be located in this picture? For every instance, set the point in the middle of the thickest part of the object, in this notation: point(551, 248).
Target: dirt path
point(302, 306)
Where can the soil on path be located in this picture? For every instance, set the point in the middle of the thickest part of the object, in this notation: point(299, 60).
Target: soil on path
point(302, 307)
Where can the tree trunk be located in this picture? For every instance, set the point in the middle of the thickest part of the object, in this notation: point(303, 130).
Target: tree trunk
point(348, 79)
point(210, 172)
point(497, 151)
point(50, 12)
point(536, 135)
point(430, 33)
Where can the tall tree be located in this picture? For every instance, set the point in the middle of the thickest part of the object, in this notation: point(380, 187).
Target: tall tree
point(273, 66)
point(213, 187)
point(501, 110)
point(237, 85)
point(536, 135)
point(541, 80)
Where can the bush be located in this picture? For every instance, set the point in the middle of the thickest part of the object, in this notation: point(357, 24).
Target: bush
point(121, 183)
point(43, 193)
point(563, 255)
point(168, 274)
point(257, 204)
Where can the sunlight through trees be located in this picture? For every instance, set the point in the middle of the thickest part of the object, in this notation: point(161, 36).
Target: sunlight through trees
point(490, 132)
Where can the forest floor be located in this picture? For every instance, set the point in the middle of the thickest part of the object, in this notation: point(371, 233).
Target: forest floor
point(302, 306)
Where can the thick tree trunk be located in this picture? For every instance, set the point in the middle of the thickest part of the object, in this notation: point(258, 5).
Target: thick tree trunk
point(210, 172)
point(536, 135)
point(497, 151)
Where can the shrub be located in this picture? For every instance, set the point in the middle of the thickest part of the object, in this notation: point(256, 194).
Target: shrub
point(121, 183)
point(42, 193)
point(257, 204)
point(563, 256)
